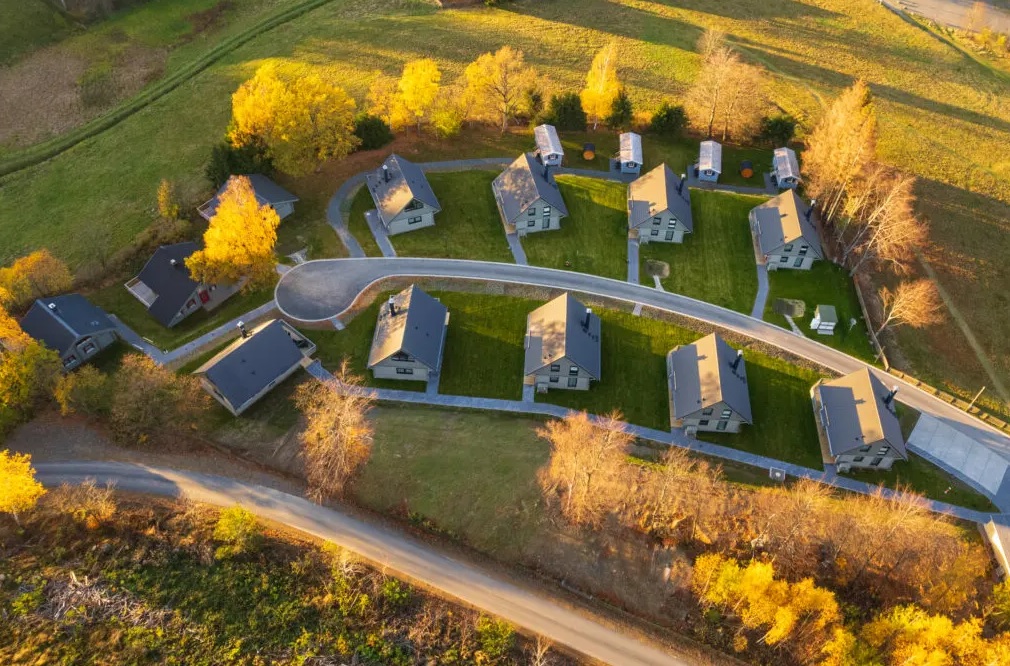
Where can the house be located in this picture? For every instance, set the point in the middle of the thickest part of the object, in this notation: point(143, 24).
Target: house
point(268, 193)
point(659, 206)
point(71, 326)
point(549, 148)
point(528, 197)
point(404, 201)
point(630, 153)
point(857, 422)
point(409, 337)
point(785, 168)
point(709, 166)
point(825, 319)
point(708, 387)
point(562, 345)
point(786, 233)
point(168, 292)
point(998, 536)
point(253, 365)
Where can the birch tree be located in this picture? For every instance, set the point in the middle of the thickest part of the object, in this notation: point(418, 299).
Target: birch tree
point(418, 88)
point(496, 85)
point(602, 86)
point(913, 303)
point(882, 225)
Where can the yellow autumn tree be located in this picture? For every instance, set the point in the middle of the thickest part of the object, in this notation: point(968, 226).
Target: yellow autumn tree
point(34, 276)
point(239, 243)
point(384, 100)
point(19, 491)
point(418, 88)
point(602, 86)
point(299, 114)
point(28, 369)
point(909, 636)
point(496, 85)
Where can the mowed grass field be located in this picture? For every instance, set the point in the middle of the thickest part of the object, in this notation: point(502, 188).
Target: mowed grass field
point(938, 110)
point(715, 263)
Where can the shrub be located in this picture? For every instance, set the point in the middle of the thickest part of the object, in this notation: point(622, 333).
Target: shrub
point(238, 530)
point(150, 402)
point(496, 638)
point(566, 113)
point(87, 503)
point(373, 131)
point(226, 159)
point(669, 120)
point(534, 102)
point(777, 130)
point(621, 111)
point(85, 391)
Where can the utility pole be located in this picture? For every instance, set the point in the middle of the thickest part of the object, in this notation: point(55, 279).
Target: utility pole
point(972, 403)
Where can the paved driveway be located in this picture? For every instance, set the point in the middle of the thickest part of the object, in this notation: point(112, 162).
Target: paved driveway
point(318, 290)
point(953, 13)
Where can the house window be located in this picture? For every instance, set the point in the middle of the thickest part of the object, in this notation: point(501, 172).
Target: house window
point(707, 411)
point(864, 449)
point(573, 370)
point(673, 224)
point(531, 223)
point(703, 422)
point(191, 303)
point(788, 248)
point(414, 205)
point(655, 232)
point(555, 367)
point(88, 347)
point(669, 234)
point(726, 413)
point(721, 425)
point(547, 210)
point(858, 459)
point(798, 262)
point(532, 212)
point(803, 249)
point(401, 356)
point(414, 220)
point(573, 382)
point(69, 361)
point(657, 220)
point(405, 371)
point(884, 450)
point(783, 260)
point(554, 380)
point(876, 462)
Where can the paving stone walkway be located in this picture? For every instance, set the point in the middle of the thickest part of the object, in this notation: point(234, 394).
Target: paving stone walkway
point(632, 260)
point(516, 246)
point(379, 233)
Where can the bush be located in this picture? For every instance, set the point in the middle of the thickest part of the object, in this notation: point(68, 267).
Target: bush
point(669, 120)
point(777, 130)
point(534, 102)
point(87, 503)
point(150, 402)
point(621, 111)
point(226, 159)
point(496, 638)
point(85, 391)
point(238, 530)
point(373, 131)
point(566, 113)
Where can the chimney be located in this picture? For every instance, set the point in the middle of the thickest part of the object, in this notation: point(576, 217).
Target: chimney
point(392, 307)
point(589, 314)
point(810, 211)
point(890, 396)
point(683, 179)
point(736, 361)
point(242, 329)
point(385, 173)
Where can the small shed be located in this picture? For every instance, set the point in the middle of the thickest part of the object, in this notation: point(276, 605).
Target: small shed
point(709, 165)
point(630, 154)
point(549, 148)
point(825, 319)
point(785, 169)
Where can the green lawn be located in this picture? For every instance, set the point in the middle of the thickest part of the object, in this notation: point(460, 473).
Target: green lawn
point(118, 301)
point(361, 204)
point(715, 263)
point(825, 284)
point(469, 226)
point(28, 25)
point(593, 238)
point(307, 228)
point(471, 474)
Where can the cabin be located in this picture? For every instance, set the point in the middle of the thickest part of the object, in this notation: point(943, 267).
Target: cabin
point(549, 149)
point(857, 422)
point(562, 346)
point(708, 387)
point(168, 292)
point(629, 155)
point(254, 364)
point(825, 320)
point(268, 193)
point(709, 166)
point(404, 200)
point(659, 206)
point(528, 197)
point(785, 169)
point(71, 326)
point(409, 337)
point(786, 233)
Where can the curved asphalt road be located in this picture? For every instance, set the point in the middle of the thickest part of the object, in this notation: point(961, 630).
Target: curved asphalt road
point(386, 548)
point(321, 290)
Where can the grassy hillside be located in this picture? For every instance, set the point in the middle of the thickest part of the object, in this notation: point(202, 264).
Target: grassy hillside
point(26, 25)
point(939, 113)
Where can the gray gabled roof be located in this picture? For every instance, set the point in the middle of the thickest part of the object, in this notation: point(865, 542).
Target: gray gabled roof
point(416, 327)
point(60, 321)
point(657, 191)
point(395, 184)
point(786, 219)
point(547, 140)
point(267, 193)
point(524, 182)
point(703, 375)
point(785, 164)
point(170, 282)
point(558, 330)
point(249, 365)
point(630, 147)
point(710, 156)
point(854, 414)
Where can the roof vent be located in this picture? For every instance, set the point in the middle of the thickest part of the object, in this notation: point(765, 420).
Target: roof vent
point(52, 306)
point(173, 262)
